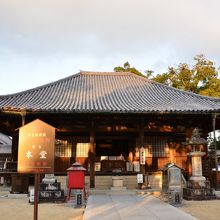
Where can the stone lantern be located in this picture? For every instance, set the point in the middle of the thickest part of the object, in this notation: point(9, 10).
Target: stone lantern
point(196, 154)
point(198, 188)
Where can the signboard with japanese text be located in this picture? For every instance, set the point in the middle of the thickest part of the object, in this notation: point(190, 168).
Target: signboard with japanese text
point(140, 178)
point(36, 148)
point(142, 156)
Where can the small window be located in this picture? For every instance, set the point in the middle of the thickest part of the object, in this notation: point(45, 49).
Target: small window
point(82, 149)
point(156, 147)
point(63, 148)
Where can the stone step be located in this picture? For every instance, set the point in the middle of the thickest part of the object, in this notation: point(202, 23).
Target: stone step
point(124, 192)
point(17, 196)
point(111, 192)
point(105, 182)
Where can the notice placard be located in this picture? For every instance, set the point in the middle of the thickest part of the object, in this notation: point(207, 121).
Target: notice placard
point(142, 156)
point(140, 178)
point(36, 148)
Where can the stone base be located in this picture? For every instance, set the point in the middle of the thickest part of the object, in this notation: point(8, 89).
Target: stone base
point(197, 178)
point(118, 188)
point(49, 186)
point(198, 194)
point(50, 196)
point(17, 196)
point(198, 184)
point(117, 181)
point(49, 178)
point(198, 190)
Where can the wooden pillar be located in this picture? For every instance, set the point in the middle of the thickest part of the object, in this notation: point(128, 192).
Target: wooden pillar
point(141, 143)
point(215, 147)
point(15, 146)
point(23, 116)
point(15, 137)
point(92, 156)
point(172, 149)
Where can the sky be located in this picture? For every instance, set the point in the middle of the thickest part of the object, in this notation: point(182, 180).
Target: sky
point(45, 40)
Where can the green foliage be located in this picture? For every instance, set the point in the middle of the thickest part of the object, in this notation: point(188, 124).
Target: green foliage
point(212, 88)
point(127, 68)
point(201, 78)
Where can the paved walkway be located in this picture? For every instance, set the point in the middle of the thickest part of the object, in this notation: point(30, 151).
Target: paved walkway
point(131, 207)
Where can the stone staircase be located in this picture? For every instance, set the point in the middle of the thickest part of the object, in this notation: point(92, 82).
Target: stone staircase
point(101, 182)
point(130, 181)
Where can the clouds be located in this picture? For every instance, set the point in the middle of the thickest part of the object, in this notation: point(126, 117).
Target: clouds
point(98, 34)
point(125, 25)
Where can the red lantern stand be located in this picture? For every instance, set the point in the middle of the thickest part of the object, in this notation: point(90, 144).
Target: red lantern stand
point(76, 178)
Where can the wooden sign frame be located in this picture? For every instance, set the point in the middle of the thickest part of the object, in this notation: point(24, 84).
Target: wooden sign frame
point(36, 148)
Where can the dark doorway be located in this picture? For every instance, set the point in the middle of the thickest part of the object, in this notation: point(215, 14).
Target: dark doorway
point(111, 147)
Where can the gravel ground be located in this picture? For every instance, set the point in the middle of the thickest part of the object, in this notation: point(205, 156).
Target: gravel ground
point(20, 209)
point(203, 210)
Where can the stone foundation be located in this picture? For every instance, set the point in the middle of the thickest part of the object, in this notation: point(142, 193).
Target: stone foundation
point(117, 183)
point(198, 190)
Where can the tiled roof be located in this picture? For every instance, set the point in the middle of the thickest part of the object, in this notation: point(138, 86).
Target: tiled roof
point(108, 92)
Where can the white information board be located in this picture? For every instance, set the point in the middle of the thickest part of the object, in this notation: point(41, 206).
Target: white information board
point(140, 178)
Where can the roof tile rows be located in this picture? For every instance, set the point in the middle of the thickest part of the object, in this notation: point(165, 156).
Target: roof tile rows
point(108, 92)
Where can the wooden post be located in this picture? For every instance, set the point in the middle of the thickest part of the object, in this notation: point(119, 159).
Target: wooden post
point(36, 180)
point(15, 136)
point(215, 147)
point(23, 116)
point(15, 146)
point(92, 156)
point(141, 143)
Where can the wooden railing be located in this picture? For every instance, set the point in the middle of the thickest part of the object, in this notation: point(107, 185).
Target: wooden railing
point(8, 166)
